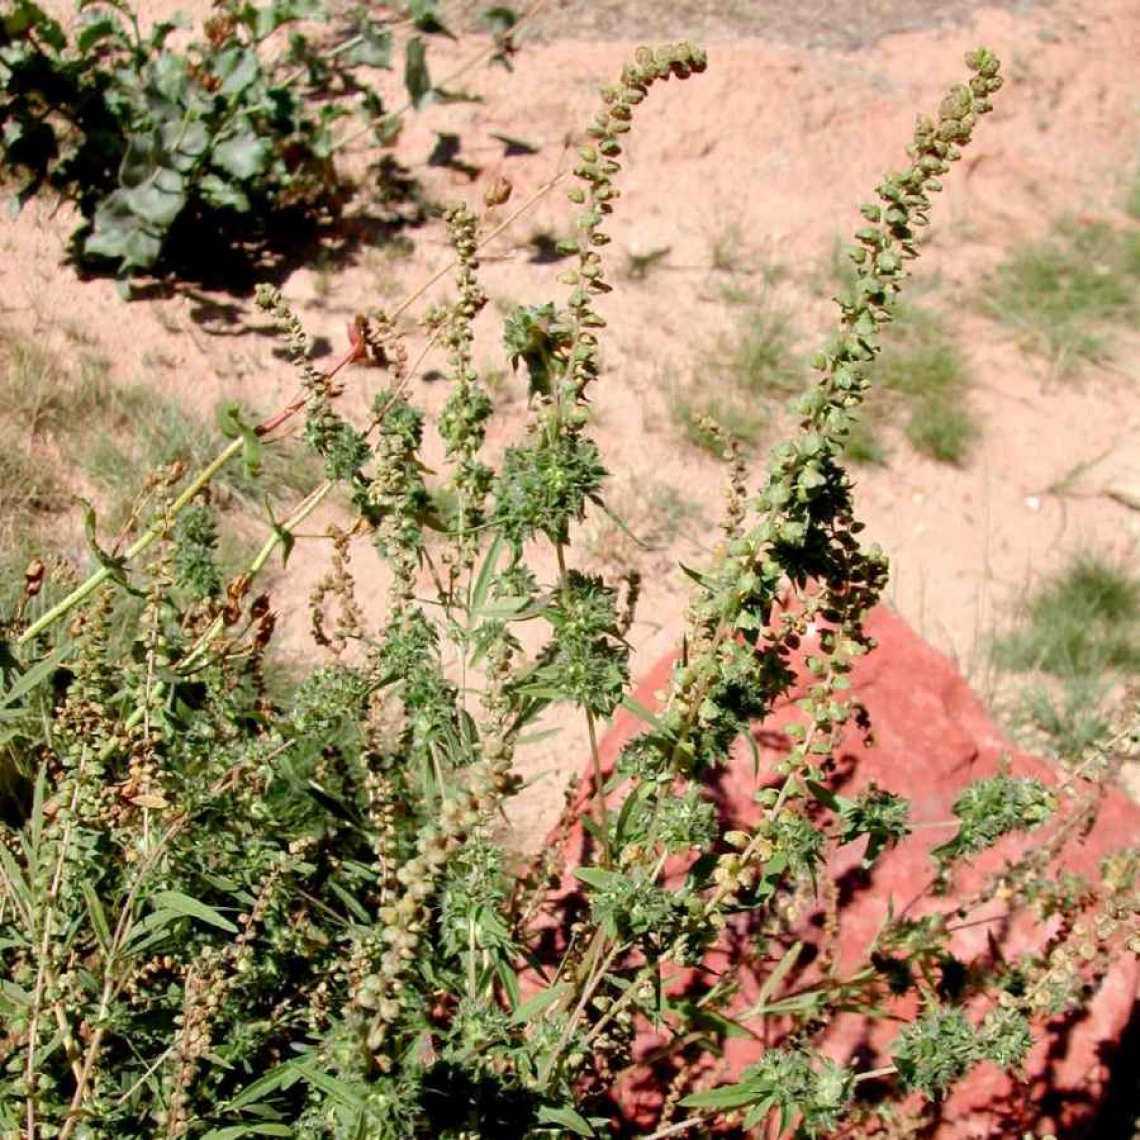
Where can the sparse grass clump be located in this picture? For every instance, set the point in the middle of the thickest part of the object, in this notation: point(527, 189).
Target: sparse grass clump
point(740, 379)
point(1082, 622)
point(142, 430)
point(1080, 632)
point(71, 431)
point(642, 517)
point(1062, 294)
point(922, 378)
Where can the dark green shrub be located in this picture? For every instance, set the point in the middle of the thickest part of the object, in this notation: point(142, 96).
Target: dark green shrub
point(228, 141)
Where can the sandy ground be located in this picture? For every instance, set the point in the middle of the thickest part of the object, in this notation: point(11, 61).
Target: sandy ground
point(778, 142)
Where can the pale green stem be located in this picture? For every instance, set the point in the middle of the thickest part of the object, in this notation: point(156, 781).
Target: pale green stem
point(308, 505)
point(143, 542)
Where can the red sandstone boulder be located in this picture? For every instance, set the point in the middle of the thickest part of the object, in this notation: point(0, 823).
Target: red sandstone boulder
point(932, 737)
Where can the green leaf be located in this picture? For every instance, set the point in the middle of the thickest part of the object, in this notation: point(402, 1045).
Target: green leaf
point(567, 1118)
point(351, 902)
point(283, 1077)
point(824, 795)
point(159, 200)
point(732, 1096)
point(32, 678)
point(696, 576)
point(596, 877)
point(416, 77)
point(238, 68)
point(242, 155)
point(534, 1007)
point(284, 535)
point(758, 1112)
point(183, 905)
point(116, 567)
point(184, 142)
point(223, 195)
point(499, 19)
point(374, 49)
point(228, 416)
point(140, 159)
point(15, 994)
point(14, 881)
point(98, 917)
point(264, 20)
point(646, 716)
point(28, 15)
point(772, 981)
point(121, 234)
point(513, 147)
point(330, 1086)
point(425, 17)
point(486, 573)
point(97, 30)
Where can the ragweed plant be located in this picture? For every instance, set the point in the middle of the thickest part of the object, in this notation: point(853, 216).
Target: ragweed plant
point(229, 914)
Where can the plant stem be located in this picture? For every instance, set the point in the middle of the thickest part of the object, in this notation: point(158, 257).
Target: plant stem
point(677, 1128)
point(874, 1074)
point(145, 540)
point(596, 971)
point(308, 505)
point(506, 224)
point(599, 791)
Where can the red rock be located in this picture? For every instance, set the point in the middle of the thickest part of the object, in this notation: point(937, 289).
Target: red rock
point(932, 737)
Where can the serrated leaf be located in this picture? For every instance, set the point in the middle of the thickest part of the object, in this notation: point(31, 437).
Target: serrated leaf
point(175, 902)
